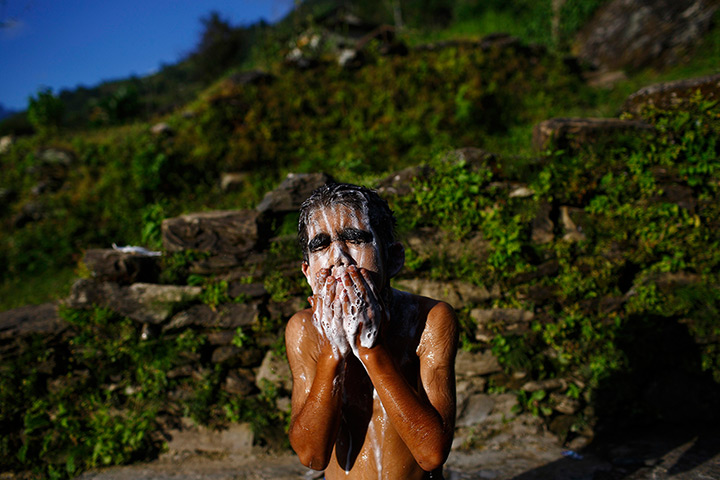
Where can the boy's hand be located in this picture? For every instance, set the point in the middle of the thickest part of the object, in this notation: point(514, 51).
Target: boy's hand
point(327, 312)
point(362, 309)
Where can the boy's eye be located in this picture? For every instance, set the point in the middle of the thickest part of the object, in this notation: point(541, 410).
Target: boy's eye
point(319, 242)
point(356, 236)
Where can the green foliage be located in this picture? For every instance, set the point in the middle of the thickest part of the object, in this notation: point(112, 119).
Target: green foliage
point(110, 386)
point(220, 47)
point(451, 198)
point(45, 111)
point(215, 292)
point(278, 286)
point(121, 105)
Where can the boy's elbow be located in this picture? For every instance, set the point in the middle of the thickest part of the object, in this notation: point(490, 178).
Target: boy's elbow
point(433, 460)
point(434, 456)
point(313, 461)
point(308, 455)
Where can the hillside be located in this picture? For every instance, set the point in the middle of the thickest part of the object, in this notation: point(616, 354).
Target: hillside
point(580, 252)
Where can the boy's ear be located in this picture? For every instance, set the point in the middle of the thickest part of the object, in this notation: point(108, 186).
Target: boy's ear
point(305, 268)
point(395, 259)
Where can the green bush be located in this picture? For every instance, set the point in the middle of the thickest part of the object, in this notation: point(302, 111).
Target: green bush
point(45, 111)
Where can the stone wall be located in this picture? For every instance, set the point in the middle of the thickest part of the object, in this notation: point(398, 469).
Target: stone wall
point(234, 246)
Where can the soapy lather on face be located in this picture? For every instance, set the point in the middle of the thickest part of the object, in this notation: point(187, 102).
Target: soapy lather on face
point(343, 251)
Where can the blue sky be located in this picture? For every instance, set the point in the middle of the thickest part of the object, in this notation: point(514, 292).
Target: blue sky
point(65, 43)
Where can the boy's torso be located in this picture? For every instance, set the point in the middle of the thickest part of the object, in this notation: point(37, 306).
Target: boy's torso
point(368, 446)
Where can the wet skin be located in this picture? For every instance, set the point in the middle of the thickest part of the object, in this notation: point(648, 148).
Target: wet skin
point(373, 368)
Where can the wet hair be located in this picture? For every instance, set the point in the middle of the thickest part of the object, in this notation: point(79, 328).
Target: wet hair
point(356, 197)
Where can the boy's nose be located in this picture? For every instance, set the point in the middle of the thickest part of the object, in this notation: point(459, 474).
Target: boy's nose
point(340, 255)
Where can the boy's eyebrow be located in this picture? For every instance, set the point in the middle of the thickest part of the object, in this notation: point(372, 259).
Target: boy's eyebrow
point(355, 235)
point(319, 240)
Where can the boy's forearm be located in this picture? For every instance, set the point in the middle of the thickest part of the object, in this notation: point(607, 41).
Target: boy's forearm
point(314, 429)
point(419, 424)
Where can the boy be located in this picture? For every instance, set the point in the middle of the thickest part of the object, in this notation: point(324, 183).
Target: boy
point(373, 368)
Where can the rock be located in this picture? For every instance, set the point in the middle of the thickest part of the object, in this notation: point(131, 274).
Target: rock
point(564, 404)
point(300, 60)
point(32, 211)
point(121, 267)
point(475, 158)
point(469, 364)
point(252, 77)
point(233, 181)
point(54, 156)
point(456, 293)
point(221, 337)
point(548, 385)
point(521, 191)
point(239, 382)
point(543, 226)
point(506, 320)
point(634, 34)
point(199, 315)
point(226, 316)
point(497, 40)
point(224, 353)
point(292, 192)
point(401, 183)
point(246, 290)
point(604, 79)
point(575, 133)
point(162, 129)
point(235, 439)
point(670, 95)
point(31, 319)
point(182, 371)
point(275, 370)
point(475, 410)
point(51, 168)
point(224, 232)
point(560, 426)
point(6, 143)
point(157, 301)
point(350, 58)
point(504, 408)
point(430, 288)
point(573, 233)
point(217, 264)
point(143, 302)
point(428, 243)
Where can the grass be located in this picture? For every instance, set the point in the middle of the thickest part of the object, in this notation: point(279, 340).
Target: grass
point(30, 289)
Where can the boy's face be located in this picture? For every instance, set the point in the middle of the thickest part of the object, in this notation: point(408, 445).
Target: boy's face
point(339, 236)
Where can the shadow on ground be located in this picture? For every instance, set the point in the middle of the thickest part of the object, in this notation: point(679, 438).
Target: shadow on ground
point(657, 419)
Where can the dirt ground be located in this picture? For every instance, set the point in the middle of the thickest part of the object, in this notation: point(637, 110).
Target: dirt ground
point(657, 455)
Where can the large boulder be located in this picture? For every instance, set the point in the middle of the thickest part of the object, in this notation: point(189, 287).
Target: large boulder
point(633, 34)
point(505, 320)
point(292, 192)
point(456, 293)
point(225, 232)
point(30, 319)
point(274, 371)
point(574, 133)
point(227, 316)
point(672, 94)
point(119, 266)
point(143, 302)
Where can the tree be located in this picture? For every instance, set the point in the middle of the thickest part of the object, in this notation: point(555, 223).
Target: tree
point(221, 46)
point(46, 111)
